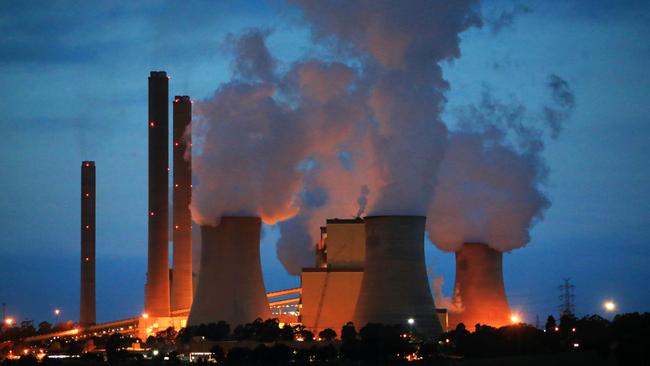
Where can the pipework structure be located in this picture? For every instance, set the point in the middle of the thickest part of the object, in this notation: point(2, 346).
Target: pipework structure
point(157, 299)
point(395, 287)
point(87, 303)
point(181, 286)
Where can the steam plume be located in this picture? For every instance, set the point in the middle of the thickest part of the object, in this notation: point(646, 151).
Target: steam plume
point(492, 177)
point(362, 200)
point(293, 143)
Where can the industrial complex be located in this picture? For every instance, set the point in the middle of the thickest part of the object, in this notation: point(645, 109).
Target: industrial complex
point(366, 270)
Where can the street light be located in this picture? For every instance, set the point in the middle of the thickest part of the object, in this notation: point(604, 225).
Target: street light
point(411, 321)
point(515, 319)
point(57, 312)
point(609, 306)
point(9, 321)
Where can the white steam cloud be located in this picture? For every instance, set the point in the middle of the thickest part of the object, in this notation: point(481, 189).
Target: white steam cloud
point(300, 143)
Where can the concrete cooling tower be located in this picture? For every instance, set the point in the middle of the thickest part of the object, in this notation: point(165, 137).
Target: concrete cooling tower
point(231, 286)
point(395, 285)
point(479, 287)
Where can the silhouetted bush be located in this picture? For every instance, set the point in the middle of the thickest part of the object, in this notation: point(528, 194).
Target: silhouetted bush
point(327, 334)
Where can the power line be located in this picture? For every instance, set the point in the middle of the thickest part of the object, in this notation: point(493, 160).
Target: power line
point(567, 298)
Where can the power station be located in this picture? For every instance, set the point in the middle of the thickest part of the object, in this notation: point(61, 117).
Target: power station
point(366, 270)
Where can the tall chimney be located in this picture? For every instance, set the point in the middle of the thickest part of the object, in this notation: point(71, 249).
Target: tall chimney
point(479, 287)
point(395, 287)
point(182, 218)
point(156, 298)
point(87, 314)
point(231, 286)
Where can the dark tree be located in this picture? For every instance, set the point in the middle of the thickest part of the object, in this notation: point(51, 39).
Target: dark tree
point(327, 353)
point(307, 336)
point(44, 328)
point(348, 332)
point(218, 353)
point(327, 334)
point(384, 343)
point(550, 324)
point(239, 356)
point(286, 333)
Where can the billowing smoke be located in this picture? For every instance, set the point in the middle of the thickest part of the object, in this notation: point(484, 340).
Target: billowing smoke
point(300, 143)
point(395, 143)
point(490, 184)
point(362, 200)
point(452, 304)
point(563, 102)
point(247, 145)
point(399, 46)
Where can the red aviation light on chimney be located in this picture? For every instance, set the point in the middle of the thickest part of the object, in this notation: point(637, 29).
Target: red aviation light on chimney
point(151, 213)
point(151, 124)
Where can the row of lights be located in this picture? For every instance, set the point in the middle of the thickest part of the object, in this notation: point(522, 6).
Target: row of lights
point(608, 305)
point(10, 321)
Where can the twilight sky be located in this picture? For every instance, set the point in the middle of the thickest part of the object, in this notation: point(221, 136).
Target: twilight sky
point(73, 87)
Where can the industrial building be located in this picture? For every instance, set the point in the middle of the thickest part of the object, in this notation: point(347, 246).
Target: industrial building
point(330, 289)
point(156, 291)
point(478, 288)
point(181, 283)
point(231, 286)
point(87, 306)
point(400, 289)
point(395, 286)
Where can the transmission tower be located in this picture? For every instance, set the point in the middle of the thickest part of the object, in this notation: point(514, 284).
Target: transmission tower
point(567, 306)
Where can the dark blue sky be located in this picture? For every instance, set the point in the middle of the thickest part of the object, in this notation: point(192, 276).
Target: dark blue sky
point(73, 84)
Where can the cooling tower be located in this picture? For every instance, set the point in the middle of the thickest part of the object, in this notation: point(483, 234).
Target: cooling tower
point(395, 285)
point(87, 290)
point(156, 296)
point(181, 286)
point(231, 287)
point(479, 287)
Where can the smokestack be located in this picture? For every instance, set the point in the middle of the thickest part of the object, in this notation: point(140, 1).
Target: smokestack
point(231, 286)
point(182, 218)
point(479, 287)
point(395, 285)
point(156, 298)
point(87, 314)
